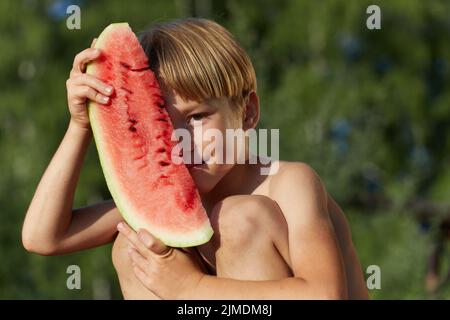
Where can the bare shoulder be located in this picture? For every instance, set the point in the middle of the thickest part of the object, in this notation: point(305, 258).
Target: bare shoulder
point(304, 200)
point(294, 172)
point(296, 184)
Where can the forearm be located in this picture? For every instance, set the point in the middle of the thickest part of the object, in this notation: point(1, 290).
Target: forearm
point(50, 211)
point(211, 287)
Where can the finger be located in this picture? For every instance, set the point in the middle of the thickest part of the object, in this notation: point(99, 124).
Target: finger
point(152, 243)
point(83, 58)
point(137, 258)
point(82, 92)
point(143, 278)
point(93, 82)
point(132, 237)
point(93, 42)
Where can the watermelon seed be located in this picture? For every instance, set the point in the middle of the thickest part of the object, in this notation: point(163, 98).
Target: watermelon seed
point(162, 120)
point(163, 163)
point(139, 156)
point(161, 150)
point(140, 69)
point(126, 89)
point(125, 65)
point(132, 127)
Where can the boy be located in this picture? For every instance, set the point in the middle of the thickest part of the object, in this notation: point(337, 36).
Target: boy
point(277, 236)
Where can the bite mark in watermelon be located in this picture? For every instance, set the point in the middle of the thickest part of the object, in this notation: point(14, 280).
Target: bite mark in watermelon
point(133, 138)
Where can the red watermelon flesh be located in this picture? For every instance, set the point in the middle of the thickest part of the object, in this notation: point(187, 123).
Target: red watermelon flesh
point(133, 138)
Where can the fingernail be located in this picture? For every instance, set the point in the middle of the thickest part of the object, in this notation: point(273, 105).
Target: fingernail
point(105, 99)
point(108, 89)
point(96, 51)
point(122, 227)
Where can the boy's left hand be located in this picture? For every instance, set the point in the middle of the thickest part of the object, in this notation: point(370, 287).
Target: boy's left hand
point(168, 272)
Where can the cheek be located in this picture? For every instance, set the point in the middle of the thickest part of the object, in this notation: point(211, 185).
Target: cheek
point(210, 138)
point(234, 144)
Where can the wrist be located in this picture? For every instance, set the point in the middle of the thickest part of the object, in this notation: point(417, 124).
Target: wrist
point(76, 127)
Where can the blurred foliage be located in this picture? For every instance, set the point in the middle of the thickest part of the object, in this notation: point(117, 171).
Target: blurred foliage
point(368, 109)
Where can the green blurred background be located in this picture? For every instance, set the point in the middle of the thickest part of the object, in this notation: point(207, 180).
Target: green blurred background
point(368, 109)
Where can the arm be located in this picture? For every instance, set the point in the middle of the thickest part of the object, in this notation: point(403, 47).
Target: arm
point(50, 226)
point(211, 287)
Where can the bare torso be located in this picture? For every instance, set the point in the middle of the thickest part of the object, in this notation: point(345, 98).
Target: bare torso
point(133, 289)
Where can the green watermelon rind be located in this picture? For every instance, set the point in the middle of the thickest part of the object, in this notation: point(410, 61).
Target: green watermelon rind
point(169, 238)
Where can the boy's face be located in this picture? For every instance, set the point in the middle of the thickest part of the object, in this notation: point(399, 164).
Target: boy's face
point(197, 118)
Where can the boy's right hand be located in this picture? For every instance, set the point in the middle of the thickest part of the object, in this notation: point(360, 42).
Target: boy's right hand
point(82, 86)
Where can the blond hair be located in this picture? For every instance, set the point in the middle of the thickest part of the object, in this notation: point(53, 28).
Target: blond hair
point(200, 60)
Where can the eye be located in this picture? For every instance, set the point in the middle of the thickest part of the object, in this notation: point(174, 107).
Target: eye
point(197, 117)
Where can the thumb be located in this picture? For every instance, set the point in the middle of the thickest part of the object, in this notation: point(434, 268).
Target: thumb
point(152, 243)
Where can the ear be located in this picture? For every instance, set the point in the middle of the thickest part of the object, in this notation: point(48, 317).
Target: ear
point(251, 111)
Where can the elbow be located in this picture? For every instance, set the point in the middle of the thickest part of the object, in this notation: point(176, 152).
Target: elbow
point(33, 245)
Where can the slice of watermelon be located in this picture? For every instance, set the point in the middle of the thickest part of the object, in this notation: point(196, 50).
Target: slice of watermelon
point(133, 138)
